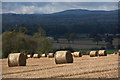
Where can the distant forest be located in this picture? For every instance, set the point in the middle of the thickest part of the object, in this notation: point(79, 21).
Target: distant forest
point(70, 21)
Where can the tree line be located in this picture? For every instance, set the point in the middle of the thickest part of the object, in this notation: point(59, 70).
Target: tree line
point(62, 30)
point(17, 40)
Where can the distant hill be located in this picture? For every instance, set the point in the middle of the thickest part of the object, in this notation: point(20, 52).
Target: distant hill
point(75, 19)
point(76, 16)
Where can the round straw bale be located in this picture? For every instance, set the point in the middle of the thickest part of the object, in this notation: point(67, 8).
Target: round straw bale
point(50, 55)
point(93, 53)
point(115, 53)
point(16, 59)
point(26, 56)
point(36, 56)
point(102, 53)
point(77, 54)
point(29, 55)
point(43, 55)
point(72, 54)
point(63, 57)
point(119, 52)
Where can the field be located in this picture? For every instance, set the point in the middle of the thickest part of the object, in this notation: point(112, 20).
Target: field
point(82, 67)
point(81, 44)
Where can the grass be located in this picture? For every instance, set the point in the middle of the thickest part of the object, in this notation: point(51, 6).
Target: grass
point(109, 51)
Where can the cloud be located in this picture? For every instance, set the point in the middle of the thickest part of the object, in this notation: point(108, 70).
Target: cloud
point(52, 7)
point(30, 8)
point(60, 0)
point(0, 8)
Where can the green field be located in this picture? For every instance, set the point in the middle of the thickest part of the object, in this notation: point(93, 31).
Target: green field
point(109, 51)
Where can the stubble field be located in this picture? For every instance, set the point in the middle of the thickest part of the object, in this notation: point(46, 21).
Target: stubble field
point(82, 67)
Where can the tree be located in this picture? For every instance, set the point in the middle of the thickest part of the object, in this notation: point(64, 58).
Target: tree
point(39, 33)
point(97, 39)
point(23, 30)
point(6, 43)
point(109, 40)
point(56, 38)
point(71, 36)
point(16, 42)
point(13, 41)
point(109, 46)
point(67, 37)
point(43, 43)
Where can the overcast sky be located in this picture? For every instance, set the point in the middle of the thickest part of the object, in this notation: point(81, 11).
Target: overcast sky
point(52, 7)
point(60, 0)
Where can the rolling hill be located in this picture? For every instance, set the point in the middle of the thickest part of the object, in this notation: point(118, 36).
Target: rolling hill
point(76, 20)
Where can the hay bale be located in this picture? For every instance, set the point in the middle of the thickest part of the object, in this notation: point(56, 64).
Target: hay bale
point(93, 53)
point(115, 53)
point(72, 54)
point(119, 52)
point(43, 55)
point(36, 56)
point(16, 59)
point(102, 53)
point(63, 57)
point(50, 55)
point(77, 54)
point(26, 56)
point(29, 55)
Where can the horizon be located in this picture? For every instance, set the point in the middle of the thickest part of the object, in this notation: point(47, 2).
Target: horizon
point(66, 10)
point(55, 7)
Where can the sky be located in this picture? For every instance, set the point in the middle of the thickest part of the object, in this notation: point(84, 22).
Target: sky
point(53, 7)
point(60, 0)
